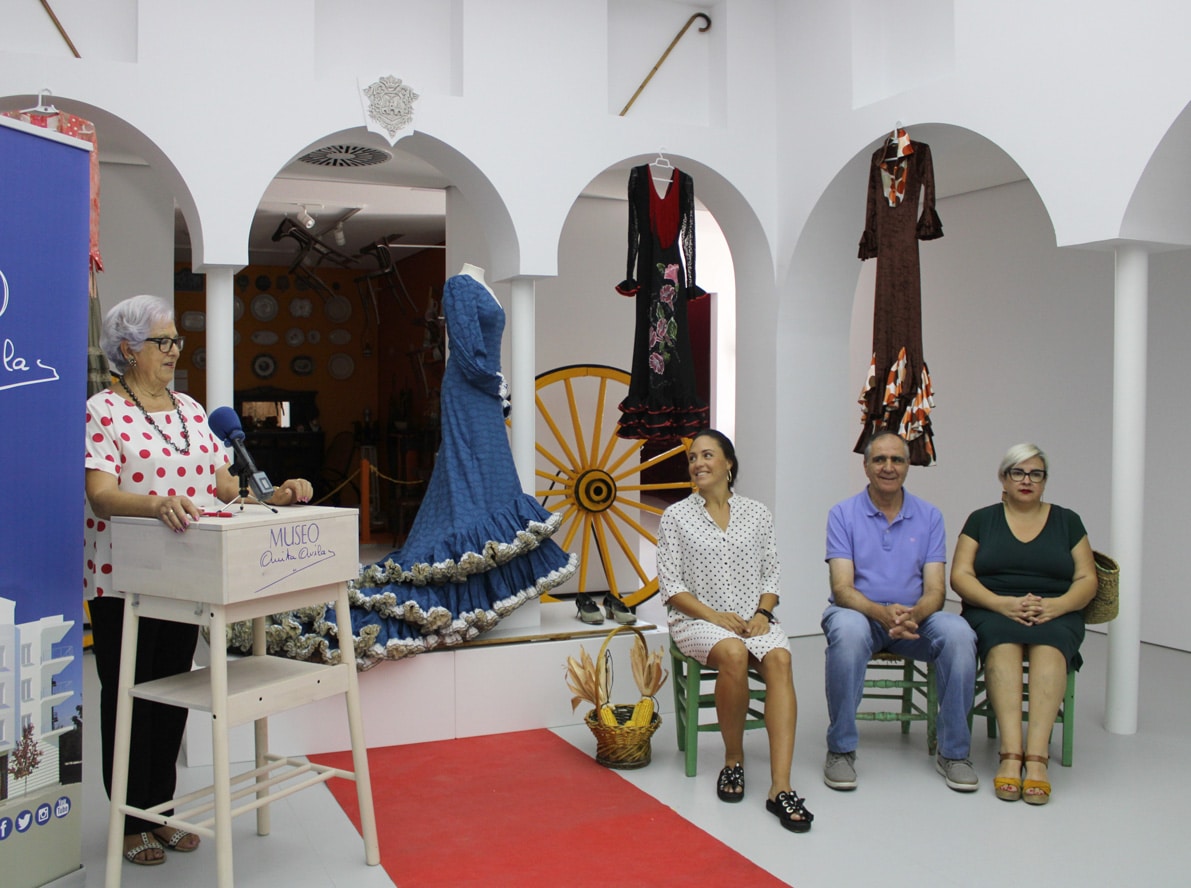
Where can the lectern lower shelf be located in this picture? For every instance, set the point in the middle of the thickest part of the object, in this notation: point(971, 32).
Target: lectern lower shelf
point(257, 687)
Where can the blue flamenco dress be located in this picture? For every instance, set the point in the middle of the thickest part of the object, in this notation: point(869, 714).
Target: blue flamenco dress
point(479, 547)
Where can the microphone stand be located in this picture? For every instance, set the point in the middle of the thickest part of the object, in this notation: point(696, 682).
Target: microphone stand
point(242, 498)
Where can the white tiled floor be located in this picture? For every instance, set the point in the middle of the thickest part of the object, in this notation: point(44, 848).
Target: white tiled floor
point(1117, 816)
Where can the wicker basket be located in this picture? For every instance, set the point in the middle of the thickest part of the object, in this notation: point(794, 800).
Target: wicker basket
point(1105, 605)
point(621, 746)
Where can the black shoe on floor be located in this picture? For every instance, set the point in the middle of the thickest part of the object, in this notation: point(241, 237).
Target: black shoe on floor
point(788, 806)
point(730, 786)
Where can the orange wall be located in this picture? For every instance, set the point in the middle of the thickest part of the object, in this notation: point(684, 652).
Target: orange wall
point(380, 352)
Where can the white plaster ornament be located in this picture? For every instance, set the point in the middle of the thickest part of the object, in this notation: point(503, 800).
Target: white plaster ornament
point(389, 108)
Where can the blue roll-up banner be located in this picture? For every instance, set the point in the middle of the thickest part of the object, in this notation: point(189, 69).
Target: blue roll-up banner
point(44, 225)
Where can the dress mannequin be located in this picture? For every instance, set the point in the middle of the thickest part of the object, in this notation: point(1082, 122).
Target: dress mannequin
point(477, 273)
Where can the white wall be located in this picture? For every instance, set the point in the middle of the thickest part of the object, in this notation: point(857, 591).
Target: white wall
point(1166, 606)
point(136, 233)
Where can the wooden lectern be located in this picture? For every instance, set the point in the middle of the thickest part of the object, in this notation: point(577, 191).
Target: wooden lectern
point(220, 571)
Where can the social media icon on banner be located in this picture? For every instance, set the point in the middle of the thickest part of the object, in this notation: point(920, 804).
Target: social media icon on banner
point(43, 814)
point(62, 806)
point(5, 828)
point(24, 820)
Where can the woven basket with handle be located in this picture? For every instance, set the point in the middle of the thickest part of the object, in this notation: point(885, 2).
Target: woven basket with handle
point(1105, 605)
point(621, 746)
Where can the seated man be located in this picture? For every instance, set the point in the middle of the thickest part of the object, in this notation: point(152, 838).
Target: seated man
point(886, 554)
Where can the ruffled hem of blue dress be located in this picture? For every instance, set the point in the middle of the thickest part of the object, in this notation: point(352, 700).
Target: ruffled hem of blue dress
point(397, 613)
point(497, 540)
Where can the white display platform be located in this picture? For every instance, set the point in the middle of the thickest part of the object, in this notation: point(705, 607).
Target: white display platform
point(508, 679)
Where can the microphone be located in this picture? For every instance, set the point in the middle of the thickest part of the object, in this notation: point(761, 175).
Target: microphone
point(226, 425)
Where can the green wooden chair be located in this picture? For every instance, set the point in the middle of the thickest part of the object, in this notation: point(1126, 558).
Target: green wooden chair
point(1066, 717)
point(910, 686)
point(687, 676)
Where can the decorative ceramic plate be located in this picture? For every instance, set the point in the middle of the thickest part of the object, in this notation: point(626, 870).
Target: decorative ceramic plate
point(263, 282)
point(301, 307)
point(235, 337)
point(313, 337)
point(242, 281)
point(341, 366)
point(238, 309)
point(294, 337)
point(264, 337)
point(198, 357)
point(264, 366)
point(303, 365)
point(264, 307)
point(338, 308)
point(340, 336)
point(192, 321)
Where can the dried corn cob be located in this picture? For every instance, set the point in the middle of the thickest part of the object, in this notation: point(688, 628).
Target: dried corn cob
point(642, 713)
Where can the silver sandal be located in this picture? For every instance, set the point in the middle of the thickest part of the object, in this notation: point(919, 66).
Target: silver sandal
point(148, 843)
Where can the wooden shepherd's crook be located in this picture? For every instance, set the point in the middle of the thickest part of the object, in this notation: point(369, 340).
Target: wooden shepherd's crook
point(689, 22)
point(61, 30)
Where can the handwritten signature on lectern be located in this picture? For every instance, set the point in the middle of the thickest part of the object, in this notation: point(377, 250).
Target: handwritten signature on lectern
point(13, 366)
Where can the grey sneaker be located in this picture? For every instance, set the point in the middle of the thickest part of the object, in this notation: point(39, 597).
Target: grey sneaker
point(839, 772)
point(959, 774)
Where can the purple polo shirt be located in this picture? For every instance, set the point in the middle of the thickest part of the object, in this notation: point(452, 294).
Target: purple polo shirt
point(887, 558)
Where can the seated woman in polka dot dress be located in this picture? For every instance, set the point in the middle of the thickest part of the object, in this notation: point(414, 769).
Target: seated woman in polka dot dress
point(150, 453)
point(719, 576)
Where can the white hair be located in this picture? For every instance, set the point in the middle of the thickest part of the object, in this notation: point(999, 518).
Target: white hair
point(131, 321)
point(1018, 454)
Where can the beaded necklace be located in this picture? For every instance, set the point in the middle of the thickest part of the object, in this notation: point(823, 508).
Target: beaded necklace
point(181, 451)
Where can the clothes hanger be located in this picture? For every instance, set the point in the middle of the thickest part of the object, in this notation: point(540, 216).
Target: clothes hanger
point(662, 163)
point(891, 144)
point(42, 107)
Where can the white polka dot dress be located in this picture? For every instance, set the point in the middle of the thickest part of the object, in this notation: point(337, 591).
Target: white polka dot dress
point(120, 441)
point(728, 570)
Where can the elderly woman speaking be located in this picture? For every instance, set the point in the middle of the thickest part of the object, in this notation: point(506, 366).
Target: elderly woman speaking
point(1025, 571)
point(151, 454)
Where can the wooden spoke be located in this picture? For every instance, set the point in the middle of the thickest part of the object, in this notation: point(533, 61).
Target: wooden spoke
point(585, 470)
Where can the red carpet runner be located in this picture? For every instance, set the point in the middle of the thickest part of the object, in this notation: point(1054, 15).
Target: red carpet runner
point(528, 809)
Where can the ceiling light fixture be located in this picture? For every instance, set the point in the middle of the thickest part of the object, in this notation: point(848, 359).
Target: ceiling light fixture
point(304, 218)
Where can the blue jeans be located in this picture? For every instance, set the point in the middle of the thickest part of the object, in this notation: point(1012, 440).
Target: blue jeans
point(944, 639)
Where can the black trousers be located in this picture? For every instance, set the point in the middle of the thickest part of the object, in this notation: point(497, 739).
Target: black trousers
point(163, 649)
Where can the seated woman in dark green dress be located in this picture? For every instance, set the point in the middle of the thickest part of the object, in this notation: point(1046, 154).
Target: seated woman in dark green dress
point(1025, 571)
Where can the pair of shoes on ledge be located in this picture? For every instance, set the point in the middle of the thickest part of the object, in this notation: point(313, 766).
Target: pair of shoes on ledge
point(589, 612)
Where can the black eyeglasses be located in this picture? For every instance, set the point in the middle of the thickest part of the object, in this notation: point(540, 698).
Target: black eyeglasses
point(165, 343)
point(1036, 475)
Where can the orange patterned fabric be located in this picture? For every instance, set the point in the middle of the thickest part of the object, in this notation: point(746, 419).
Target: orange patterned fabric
point(894, 170)
point(905, 409)
point(79, 128)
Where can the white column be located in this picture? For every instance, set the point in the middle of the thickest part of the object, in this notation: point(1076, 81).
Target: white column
point(1128, 483)
point(220, 332)
point(521, 381)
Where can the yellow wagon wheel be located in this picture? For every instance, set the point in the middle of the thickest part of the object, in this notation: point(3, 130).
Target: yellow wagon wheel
point(594, 478)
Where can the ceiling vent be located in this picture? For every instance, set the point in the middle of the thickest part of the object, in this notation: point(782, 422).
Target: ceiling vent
point(345, 156)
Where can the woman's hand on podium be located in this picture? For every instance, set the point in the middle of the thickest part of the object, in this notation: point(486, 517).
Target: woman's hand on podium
point(295, 490)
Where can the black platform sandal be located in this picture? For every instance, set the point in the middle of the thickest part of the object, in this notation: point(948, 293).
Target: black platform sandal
point(788, 806)
point(730, 787)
